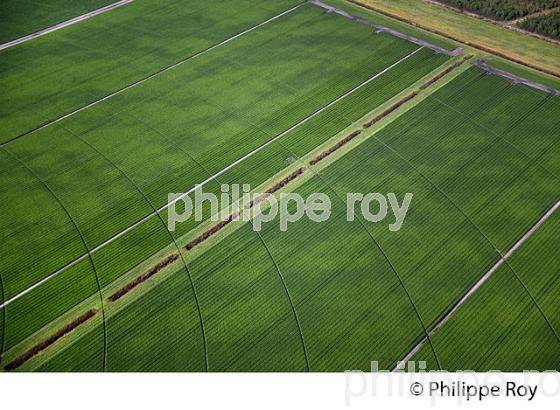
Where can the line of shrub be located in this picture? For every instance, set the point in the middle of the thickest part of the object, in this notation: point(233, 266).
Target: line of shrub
point(144, 277)
point(18, 361)
point(335, 147)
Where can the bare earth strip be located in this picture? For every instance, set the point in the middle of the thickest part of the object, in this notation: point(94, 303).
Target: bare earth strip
point(246, 156)
point(503, 258)
point(66, 23)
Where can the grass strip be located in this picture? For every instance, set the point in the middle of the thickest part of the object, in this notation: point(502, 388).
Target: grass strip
point(207, 234)
point(18, 361)
point(279, 185)
point(454, 38)
point(144, 277)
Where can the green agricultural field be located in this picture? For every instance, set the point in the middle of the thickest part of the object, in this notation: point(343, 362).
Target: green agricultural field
point(369, 286)
point(168, 134)
point(93, 139)
point(525, 334)
point(49, 77)
point(22, 17)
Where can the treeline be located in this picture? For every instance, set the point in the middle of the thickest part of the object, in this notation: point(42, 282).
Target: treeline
point(503, 9)
point(547, 25)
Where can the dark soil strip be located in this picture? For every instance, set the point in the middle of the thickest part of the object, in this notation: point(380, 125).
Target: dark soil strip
point(276, 187)
point(443, 34)
point(201, 238)
point(144, 277)
point(390, 109)
point(18, 361)
point(216, 228)
point(335, 147)
point(445, 72)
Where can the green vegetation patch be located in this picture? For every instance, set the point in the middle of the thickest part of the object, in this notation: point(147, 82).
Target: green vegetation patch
point(503, 9)
point(336, 295)
point(511, 323)
point(547, 25)
point(19, 18)
point(103, 169)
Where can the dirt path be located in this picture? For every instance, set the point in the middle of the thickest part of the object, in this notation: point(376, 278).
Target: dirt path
point(388, 30)
point(64, 24)
point(516, 79)
point(503, 258)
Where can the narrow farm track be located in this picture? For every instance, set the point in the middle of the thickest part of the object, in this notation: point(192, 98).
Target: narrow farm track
point(64, 24)
point(384, 29)
point(211, 178)
point(503, 259)
point(537, 14)
point(516, 79)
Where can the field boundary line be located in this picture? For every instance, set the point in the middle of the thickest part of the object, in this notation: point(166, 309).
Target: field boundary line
point(84, 243)
point(503, 259)
point(481, 63)
point(173, 241)
point(210, 178)
point(64, 24)
point(476, 45)
point(262, 188)
point(379, 28)
point(149, 77)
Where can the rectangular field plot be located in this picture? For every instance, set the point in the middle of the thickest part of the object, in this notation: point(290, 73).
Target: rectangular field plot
point(47, 78)
point(101, 120)
point(512, 323)
point(19, 18)
point(337, 295)
point(98, 172)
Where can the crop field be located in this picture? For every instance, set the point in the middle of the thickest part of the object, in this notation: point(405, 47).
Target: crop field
point(93, 140)
point(23, 17)
point(525, 333)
